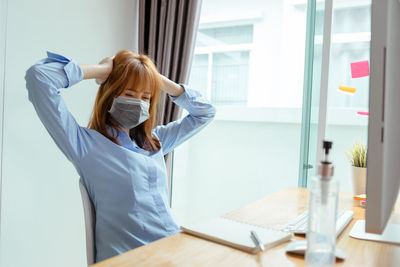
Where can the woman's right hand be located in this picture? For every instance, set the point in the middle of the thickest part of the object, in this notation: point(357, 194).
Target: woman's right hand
point(100, 71)
point(107, 65)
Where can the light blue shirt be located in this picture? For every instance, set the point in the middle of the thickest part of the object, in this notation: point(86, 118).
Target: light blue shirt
point(128, 185)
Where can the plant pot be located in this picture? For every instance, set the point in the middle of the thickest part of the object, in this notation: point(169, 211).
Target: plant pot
point(359, 180)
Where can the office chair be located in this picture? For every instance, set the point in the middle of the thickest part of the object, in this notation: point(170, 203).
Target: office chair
point(90, 222)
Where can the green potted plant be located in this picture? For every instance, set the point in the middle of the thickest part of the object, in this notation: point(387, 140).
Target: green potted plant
point(358, 159)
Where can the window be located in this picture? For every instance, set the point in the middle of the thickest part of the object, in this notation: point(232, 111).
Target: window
point(221, 64)
point(248, 62)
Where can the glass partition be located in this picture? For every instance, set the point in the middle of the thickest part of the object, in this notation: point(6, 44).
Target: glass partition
point(248, 62)
point(350, 38)
point(351, 26)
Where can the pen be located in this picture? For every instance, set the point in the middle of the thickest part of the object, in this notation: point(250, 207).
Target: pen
point(256, 240)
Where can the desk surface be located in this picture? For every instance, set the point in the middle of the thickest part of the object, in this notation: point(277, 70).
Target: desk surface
point(273, 211)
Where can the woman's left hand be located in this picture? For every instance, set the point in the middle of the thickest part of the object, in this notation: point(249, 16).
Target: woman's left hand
point(171, 87)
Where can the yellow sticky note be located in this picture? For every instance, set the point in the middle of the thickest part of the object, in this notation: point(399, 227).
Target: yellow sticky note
point(345, 89)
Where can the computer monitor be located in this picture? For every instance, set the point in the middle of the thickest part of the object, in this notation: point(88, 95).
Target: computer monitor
point(383, 158)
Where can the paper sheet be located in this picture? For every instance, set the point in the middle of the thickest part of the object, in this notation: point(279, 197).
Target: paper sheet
point(346, 89)
point(359, 69)
point(362, 113)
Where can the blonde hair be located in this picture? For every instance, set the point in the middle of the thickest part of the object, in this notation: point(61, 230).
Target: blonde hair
point(134, 71)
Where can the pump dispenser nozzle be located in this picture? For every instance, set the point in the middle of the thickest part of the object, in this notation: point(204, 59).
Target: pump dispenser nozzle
point(326, 146)
point(325, 168)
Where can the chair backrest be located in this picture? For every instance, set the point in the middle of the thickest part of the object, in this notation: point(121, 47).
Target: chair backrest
point(90, 222)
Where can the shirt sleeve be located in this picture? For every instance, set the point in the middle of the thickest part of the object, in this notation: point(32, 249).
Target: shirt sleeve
point(201, 113)
point(42, 82)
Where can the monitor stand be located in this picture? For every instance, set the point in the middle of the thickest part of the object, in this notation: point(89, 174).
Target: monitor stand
point(391, 234)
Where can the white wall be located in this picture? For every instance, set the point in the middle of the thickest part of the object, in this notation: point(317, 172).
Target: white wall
point(42, 220)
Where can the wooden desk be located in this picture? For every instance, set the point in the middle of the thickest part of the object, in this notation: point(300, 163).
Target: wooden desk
point(274, 211)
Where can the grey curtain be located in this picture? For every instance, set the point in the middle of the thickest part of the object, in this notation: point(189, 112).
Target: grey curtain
point(167, 34)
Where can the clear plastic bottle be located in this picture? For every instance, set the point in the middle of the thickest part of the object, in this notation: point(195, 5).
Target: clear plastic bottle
point(323, 201)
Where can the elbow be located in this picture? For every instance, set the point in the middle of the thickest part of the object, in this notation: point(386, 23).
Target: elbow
point(209, 115)
point(33, 72)
point(35, 77)
point(31, 75)
point(30, 79)
point(212, 113)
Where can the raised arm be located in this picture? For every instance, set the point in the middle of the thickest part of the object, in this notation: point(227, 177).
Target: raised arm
point(43, 81)
point(201, 113)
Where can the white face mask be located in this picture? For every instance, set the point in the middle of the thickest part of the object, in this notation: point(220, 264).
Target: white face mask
point(129, 112)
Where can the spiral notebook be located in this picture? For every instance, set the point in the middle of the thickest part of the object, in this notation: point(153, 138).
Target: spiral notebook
point(236, 234)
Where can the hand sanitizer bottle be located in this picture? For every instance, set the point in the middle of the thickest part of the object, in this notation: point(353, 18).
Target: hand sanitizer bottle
point(322, 210)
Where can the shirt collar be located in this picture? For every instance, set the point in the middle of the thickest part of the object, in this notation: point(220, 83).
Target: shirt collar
point(122, 138)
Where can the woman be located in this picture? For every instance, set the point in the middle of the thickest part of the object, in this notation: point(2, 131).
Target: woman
point(120, 155)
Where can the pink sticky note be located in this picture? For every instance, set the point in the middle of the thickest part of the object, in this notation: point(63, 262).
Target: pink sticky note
point(363, 113)
point(359, 69)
